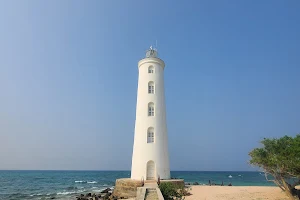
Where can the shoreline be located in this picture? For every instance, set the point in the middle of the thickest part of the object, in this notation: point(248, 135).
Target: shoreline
point(203, 192)
point(66, 184)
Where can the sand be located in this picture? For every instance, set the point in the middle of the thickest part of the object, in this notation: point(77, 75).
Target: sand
point(236, 193)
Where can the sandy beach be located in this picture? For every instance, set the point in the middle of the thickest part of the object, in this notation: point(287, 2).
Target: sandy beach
point(236, 193)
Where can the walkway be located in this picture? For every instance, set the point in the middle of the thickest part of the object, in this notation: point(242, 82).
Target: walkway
point(150, 191)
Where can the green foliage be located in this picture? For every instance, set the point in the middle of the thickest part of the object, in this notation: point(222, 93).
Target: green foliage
point(280, 158)
point(171, 191)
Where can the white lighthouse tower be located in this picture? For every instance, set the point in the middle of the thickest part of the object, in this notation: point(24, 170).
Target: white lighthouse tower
point(150, 157)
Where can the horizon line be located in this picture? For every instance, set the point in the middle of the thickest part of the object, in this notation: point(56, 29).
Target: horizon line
point(126, 170)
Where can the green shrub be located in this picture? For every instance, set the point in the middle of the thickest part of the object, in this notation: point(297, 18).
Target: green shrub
point(171, 191)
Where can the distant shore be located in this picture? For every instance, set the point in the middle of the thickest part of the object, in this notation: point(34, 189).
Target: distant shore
point(236, 193)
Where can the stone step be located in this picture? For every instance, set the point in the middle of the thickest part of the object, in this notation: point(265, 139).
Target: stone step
point(151, 189)
point(151, 194)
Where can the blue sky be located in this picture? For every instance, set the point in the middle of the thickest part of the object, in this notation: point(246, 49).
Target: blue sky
point(68, 80)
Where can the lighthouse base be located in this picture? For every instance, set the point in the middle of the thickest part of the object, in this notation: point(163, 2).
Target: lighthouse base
point(126, 188)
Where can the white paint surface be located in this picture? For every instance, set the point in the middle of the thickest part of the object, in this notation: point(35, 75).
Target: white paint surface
point(157, 151)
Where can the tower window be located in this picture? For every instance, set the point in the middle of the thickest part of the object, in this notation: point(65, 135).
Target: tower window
point(151, 109)
point(150, 135)
point(151, 69)
point(151, 87)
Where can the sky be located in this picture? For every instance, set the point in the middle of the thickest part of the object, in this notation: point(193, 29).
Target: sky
point(68, 80)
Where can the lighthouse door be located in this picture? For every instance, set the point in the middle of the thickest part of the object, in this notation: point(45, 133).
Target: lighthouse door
point(150, 170)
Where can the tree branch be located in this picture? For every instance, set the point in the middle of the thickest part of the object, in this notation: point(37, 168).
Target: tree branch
point(274, 181)
point(296, 183)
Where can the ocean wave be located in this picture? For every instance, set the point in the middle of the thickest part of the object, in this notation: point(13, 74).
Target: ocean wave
point(80, 181)
point(39, 194)
point(97, 190)
point(65, 193)
point(32, 195)
point(92, 182)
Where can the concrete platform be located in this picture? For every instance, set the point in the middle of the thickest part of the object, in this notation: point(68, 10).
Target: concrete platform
point(126, 188)
point(129, 188)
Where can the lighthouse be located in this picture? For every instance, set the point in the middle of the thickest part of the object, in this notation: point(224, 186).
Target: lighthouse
point(150, 157)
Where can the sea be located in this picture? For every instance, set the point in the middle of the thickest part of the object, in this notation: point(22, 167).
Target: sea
point(65, 185)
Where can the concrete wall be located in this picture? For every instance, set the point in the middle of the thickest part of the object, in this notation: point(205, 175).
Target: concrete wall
point(126, 188)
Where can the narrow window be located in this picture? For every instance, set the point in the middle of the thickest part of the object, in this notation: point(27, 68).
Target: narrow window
point(151, 87)
point(151, 109)
point(151, 69)
point(150, 135)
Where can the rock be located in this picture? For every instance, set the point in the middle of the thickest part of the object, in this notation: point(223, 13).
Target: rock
point(195, 183)
point(106, 190)
point(82, 198)
point(88, 195)
point(106, 196)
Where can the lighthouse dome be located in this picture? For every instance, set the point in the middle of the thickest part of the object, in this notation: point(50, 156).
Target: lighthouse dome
point(151, 53)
